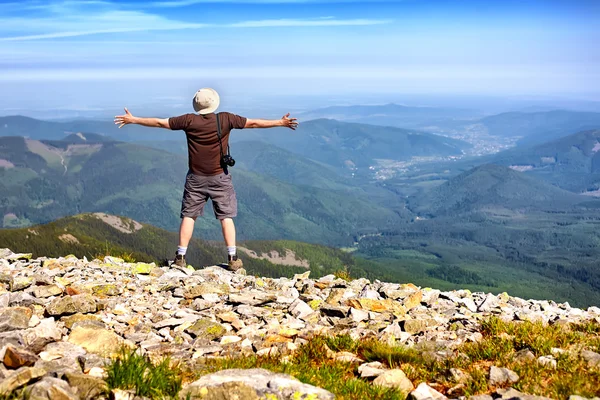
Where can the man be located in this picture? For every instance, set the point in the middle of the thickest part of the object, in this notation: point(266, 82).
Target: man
point(207, 178)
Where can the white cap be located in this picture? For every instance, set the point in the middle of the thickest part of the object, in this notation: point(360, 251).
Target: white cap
point(206, 101)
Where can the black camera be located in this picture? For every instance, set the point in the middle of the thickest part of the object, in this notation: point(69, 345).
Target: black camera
point(227, 160)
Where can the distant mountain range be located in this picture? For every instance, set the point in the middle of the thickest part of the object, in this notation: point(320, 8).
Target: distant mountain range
point(350, 145)
point(540, 127)
point(392, 114)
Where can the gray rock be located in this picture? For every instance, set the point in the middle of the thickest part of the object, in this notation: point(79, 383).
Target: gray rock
point(14, 318)
point(300, 309)
point(67, 305)
point(20, 378)
point(47, 291)
point(371, 370)
point(459, 376)
point(592, 358)
point(252, 384)
point(394, 378)
point(424, 392)
point(87, 387)
point(502, 376)
point(516, 395)
point(206, 329)
point(45, 332)
point(524, 355)
point(334, 311)
point(547, 361)
point(51, 389)
point(358, 315)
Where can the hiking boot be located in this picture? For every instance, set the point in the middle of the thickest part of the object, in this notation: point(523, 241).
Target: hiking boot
point(235, 263)
point(179, 261)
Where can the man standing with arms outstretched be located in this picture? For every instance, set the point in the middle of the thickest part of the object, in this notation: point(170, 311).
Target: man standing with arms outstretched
point(208, 177)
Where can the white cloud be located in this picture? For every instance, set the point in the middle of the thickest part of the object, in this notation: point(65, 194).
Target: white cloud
point(72, 19)
point(185, 3)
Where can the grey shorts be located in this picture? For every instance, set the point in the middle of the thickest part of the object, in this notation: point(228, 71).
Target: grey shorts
point(200, 188)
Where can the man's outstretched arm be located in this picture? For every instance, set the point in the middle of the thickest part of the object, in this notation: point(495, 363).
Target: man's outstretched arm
point(127, 119)
point(285, 121)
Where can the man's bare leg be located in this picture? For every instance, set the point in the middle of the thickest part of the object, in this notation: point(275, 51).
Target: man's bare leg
point(186, 229)
point(228, 228)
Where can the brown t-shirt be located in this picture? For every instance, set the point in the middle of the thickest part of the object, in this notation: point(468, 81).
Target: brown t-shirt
point(203, 143)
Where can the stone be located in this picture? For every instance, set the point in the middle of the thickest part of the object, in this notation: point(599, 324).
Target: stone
point(205, 288)
point(335, 296)
point(67, 305)
point(119, 394)
point(87, 387)
point(20, 378)
point(524, 355)
point(344, 356)
point(457, 375)
point(358, 315)
point(425, 392)
point(547, 361)
point(71, 320)
point(252, 384)
point(21, 283)
point(47, 291)
point(394, 378)
point(413, 300)
point(142, 268)
point(51, 389)
point(206, 329)
point(414, 325)
point(481, 397)
point(371, 370)
point(96, 340)
point(300, 309)
point(514, 394)
point(502, 376)
point(592, 358)
point(15, 357)
point(45, 332)
point(230, 339)
point(387, 305)
point(334, 311)
point(19, 256)
point(14, 318)
point(106, 289)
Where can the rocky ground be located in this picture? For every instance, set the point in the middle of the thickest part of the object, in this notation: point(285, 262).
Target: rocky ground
point(61, 319)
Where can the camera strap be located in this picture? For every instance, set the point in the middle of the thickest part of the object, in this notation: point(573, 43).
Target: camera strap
point(219, 135)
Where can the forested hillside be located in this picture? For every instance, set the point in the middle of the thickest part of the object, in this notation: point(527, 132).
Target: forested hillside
point(46, 180)
point(98, 235)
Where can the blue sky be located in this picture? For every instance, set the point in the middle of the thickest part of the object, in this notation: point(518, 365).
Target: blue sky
point(162, 49)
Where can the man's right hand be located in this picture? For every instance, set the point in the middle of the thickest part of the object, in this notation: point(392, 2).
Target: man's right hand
point(125, 119)
point(288, 122)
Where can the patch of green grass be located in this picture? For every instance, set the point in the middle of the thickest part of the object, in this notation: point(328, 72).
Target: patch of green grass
point(501, 341)
point(343, 273)
point(131, 370)
point(341, 343)
point(18, 395)
point(311, 365)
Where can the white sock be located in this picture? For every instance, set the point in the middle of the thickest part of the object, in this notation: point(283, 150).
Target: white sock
point(231, 250)
point(181, 250)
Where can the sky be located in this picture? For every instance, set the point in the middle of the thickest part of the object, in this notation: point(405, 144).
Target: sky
point(90, 54)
